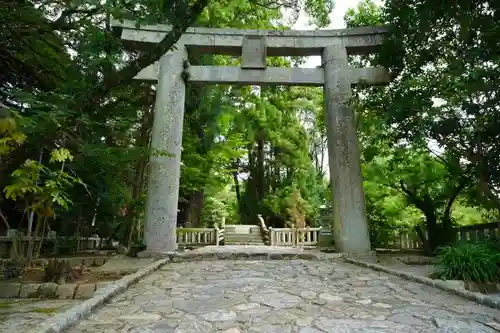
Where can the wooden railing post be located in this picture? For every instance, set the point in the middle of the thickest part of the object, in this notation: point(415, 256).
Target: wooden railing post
point(470, 233)
point(216, 232)
point(264, 230)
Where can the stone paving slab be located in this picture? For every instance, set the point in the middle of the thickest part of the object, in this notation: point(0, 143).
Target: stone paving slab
point(249, 249)
point(288, 296)
point(236, 252)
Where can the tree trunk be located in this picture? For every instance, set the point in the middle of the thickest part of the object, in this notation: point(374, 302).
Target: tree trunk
point(432, 230)
point(183, 214)
point(42, 238)
point(261, 180)
point(237, 187)
point(235, 168)
point(426, 206)
point(195, 207)
point(31, 241)
point(142, 138)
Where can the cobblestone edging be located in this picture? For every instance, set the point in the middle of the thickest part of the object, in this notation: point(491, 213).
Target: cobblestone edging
point(493, 302)
point(50, 290)
point(86, 261)
point(62, 321)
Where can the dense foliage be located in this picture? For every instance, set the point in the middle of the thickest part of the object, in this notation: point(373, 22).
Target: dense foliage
point(469, 262)
point(76, 129)
point(432, 134)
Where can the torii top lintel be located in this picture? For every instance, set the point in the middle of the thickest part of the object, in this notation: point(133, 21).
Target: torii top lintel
point(363, 40)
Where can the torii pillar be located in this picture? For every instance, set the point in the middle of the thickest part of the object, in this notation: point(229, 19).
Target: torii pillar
point(349, 214)
point(350, 224)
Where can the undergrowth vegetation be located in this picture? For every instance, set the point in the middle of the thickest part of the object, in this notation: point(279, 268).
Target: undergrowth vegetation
point(469, 262)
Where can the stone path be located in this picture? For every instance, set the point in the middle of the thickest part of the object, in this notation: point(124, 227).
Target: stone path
point(284, 296)
point(21, 315)
point(392, 261)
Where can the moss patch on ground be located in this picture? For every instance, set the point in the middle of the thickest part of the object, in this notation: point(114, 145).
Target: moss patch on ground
point(45, 310)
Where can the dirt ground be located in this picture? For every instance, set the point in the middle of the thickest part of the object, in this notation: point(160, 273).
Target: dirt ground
point(124, 263)
point(22, 315)
point(115, 268)
point(397, 261)
point(36, 275)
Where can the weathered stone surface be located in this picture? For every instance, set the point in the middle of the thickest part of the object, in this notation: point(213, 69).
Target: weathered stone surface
point(205, 304)
point(194, 325)
point(166, 136)
point(270, 329)
point(283, 43)
point(232, 330)
point(142, 317)
point(350, 227)
point(235, 296)
point(482, 287)
point(85, 290)
point(254, 52)
point(9, 290)
point(99, 261)
point(160, 327)
point(276, 300)
point(21, 315)
point(493, 324)
point(66, 291)
point(48, 290)
point(357, 325)
point(75, 261)
point(39, 262)
point(459, 326)
point(220, 315)
point(382, 305)
point(307, 294)
point(489, 300)
point(103, 284)
point(456, 284)
point(330, 298)
point(29, 290)
point(364, 301)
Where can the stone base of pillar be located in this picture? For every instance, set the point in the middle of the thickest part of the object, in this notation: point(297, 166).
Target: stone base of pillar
point(370, 256)
point(154, 255)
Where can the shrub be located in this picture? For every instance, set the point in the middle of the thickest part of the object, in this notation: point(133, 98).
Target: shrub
point(136, 248)
point(12, 270)
point(468, 262)
point(57, 271)
point(495, 244)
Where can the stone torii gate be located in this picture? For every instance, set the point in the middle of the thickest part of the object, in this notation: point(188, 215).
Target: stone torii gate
point(336, 76)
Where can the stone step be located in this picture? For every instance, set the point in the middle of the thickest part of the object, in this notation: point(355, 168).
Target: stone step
point(241, 239)
point(244, 243)
point(242, 236)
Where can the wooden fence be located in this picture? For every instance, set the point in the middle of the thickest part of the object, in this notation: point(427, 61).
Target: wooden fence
point(76, 244)
point(199, 236)
point(472, 233)
point(300, 237)
point(287, 237)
